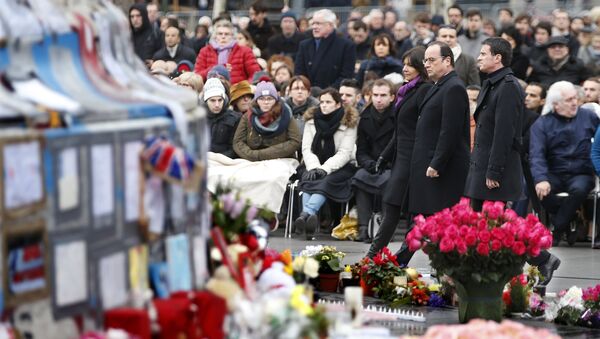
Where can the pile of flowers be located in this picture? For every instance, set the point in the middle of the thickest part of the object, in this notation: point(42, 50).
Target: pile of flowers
point(486, 246)
point(328, 257)
point(576, 306)
point(488, 329)
point(518, 295)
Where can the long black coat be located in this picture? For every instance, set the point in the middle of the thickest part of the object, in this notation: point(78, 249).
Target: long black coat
point(373, 136)
point(499, 116)
point(399, 150)
point(572, 71)
point(183, 53)
point(279, 44)
point(330, 64)
point(441, 142)
point(222, 129)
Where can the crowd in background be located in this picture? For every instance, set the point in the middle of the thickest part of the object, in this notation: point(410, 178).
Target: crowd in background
point(344, 98)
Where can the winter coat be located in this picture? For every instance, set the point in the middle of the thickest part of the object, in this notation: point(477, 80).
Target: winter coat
point(182, 53)
point(399, 150)
point(471, 43)
point(403, 47)
point(222, 130)
point(279, 44)
point(373, 136)
point(499, 116)
point(251, 145)
point(344, 139)
point(573, 71)
point(519, 64)
point(146, 41)
point(260, 35)
point(441, 142)
point(243, 63)
point(298, 111)
point(535, 53)
point(561, 145)
point(381, 67)
point(327, 66)
point(466, 68)
point(363, 49)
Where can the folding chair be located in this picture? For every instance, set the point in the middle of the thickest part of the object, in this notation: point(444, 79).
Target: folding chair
point(594, 195)
point(290, 213)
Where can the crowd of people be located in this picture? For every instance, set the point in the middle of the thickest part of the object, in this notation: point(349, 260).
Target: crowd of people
point(402, 117)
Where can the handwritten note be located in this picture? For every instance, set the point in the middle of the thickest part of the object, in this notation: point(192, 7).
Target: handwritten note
point(22, 174)
point(68, 179)
point(102, 180)
point(70, 277)
point(113, 283)
point(132, 180)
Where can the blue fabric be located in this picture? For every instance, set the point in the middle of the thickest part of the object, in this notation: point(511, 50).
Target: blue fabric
point(596, 152)
point(311, 203)
point(561, 145)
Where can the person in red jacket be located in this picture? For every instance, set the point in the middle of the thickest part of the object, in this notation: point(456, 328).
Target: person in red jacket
point(224, 50)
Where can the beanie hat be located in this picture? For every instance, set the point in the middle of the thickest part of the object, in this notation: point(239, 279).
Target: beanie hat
point(260, 76)
point(265, 88)
point(213, 88)
point(240, 89)
point(219, 70)
point(185, 66)
point(288, 14)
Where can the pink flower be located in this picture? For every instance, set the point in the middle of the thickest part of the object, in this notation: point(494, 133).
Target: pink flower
point(251, 214)
point(483, 249)
point(471, 239)
point(414, 245)
point(452, 232)
point(461, 246)
point(496, 245)
point(482, 224)
point(546, 242)
point(237, 209)
point(464, 230)
point(498, 233)
point(522, 279)
point(508, 241)
point(446, 245)
point(533, 251)
point(518, 248)
point(510, 214)
point(484, 236)
point(493, 209)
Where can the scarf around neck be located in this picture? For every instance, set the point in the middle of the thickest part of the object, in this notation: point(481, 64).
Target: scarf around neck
point(323, 145)
point(404, 89)
point(268, 127)
point(223, 51)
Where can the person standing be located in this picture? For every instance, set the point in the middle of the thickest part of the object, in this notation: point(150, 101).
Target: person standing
point(440, 158)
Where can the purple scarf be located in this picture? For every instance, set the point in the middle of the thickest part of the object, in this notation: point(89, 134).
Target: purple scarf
point(404, 89)
point(223, 51)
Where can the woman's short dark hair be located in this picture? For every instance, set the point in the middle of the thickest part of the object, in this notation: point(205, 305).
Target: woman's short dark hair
point(383, 37)
point(512, 32)
point(334, 94)
point(415, 57)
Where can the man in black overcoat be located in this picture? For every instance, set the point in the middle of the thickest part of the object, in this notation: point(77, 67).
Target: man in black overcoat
point(326, 58)
point(495, 171)
point(440, 158)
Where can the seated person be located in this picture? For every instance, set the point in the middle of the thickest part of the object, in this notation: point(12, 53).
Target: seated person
point(328, 147)
point(375, 130)
point(559, 149)
point(222, 122)
point(267, 131)
point(299, 98)
point(241, 96)
point(174, 50)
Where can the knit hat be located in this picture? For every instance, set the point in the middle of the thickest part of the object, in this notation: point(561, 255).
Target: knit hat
point(240, 89)
point(214, 88)
point(256, 78)
point(265, 88)
point(219, 70)
point(288, 14)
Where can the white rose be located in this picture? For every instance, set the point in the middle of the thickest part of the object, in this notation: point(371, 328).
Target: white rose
point(298, 264)
point(311, 268)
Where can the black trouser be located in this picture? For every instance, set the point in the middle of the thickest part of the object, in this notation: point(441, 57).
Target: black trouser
point(541, 259)
point(365, 206)
point(564, 208)
point(391, 217)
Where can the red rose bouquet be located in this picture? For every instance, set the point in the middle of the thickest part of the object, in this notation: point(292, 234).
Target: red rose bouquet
point(488, 246)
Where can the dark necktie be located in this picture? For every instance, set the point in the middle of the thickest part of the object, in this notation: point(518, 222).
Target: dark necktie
point(317, 43)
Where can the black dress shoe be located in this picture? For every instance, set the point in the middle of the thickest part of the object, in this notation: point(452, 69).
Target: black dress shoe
point(300, 223)
point(548, 268)
point(556, 238)
point(363, 234)
point(571, 238)
point(311, 226)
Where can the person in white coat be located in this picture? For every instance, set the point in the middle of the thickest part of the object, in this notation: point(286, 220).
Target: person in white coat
point(328, 148)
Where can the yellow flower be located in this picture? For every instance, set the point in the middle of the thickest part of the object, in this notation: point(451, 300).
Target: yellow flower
point(298, 264)
point(347, 268)
point(299, 303)
point(288, 269)
point(435, 287)
point(412, 273)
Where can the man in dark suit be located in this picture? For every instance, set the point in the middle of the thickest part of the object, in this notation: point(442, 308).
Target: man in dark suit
point(174, 50)
point(440, 158)
point(288, 41)
point(326, 58)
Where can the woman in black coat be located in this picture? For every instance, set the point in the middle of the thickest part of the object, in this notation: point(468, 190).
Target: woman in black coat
point(399, 150)
point(520, 62)
point(381, 60)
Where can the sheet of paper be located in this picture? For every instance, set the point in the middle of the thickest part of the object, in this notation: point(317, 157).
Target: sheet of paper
point(178, 262)
point(138, 267)
point(103, 202)
point(68, 179)
point(200, 262)
point(22, 174)
point(132, 180)
point(177, 203)
point(70, 276)
point(113, 284)
point(154, 204)
point(34, 90)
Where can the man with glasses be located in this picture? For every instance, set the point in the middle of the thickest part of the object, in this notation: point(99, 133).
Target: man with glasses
point(558, 64)
point(440, 160)
point(326, 58)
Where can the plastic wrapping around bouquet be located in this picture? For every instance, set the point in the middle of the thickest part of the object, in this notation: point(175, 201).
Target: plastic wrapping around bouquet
point(328, 282)
point(479, 300)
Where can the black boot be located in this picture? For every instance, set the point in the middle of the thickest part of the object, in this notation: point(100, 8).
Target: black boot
point(404, 255)
point(548, 268)
point(300, 223)
point(363, 235)
point(311, 226)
